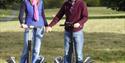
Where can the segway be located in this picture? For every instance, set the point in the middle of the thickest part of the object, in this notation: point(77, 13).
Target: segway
point(72, 50)
point(11, 60)
point(29, 58)
point(59, 59)
point(88, 60)
point(41, 59)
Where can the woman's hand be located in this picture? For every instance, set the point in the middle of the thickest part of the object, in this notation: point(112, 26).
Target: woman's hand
point(24, 26)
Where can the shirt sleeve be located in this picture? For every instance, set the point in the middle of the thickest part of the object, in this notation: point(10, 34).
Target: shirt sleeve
point(44, 18)
point(21, 12)
point(84, 14)
point(58, 16)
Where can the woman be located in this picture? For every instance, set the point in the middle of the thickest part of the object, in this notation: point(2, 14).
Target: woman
point(34, 16)
point(76, 15)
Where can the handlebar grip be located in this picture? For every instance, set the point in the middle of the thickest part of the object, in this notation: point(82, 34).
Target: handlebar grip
point(31, 27)
point(62, 25)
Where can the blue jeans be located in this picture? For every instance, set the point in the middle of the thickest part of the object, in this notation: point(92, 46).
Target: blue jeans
point(78, 40)
point(37, 35)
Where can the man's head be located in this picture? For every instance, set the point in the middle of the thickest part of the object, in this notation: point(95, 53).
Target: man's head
point(71, 0)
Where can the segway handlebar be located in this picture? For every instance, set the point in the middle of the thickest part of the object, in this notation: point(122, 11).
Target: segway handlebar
point(62, 25)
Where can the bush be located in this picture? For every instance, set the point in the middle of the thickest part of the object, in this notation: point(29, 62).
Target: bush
point(93, 2)
point(53, 3)
point(9, 4)
point(118, 5)
point(14, 4)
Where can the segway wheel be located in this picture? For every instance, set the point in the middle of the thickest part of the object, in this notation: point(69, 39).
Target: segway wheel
point(11, 60)
point(58, 59)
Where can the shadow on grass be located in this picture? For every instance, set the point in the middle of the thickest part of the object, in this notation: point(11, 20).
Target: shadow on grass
point(104, 47)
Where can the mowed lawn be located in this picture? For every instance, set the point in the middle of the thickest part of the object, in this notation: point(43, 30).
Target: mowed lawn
point(104, 39)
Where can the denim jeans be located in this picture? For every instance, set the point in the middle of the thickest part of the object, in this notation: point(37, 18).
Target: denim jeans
point(78, 40)
point(37, 35)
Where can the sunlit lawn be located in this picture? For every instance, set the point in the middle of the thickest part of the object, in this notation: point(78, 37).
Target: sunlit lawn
point(104, 38)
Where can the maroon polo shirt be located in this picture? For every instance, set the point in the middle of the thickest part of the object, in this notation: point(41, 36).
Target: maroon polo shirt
point(76, 13)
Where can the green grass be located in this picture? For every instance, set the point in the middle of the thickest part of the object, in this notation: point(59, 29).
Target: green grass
point(102, 11)
point(104, 38)
point(104, 41)
point(93, 11)
point(92, 25)
point(6, 12)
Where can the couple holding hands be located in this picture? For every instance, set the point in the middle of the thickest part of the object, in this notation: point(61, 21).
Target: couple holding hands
point(76, 15)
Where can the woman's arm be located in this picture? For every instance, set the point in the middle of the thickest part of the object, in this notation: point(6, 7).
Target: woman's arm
point(21, 12)
point(44, 18)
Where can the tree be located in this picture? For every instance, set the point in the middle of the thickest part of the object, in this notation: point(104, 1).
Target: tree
point(15, 4)
point(5, 4)
point(118, 5)
point(93, 2)
point(2, 4)
point(53, 3)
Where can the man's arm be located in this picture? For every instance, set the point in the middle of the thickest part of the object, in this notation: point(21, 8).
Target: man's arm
point(84, 14)
point(58, 16)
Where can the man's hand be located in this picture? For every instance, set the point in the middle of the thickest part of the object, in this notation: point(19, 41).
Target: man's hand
point(76, 25)
point(24, 26)
point(48, 29)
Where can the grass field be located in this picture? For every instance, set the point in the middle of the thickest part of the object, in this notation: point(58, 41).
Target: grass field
point(104, 39)
point(93, 11)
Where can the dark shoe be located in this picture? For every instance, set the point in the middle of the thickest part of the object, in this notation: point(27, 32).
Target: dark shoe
point(79, 62)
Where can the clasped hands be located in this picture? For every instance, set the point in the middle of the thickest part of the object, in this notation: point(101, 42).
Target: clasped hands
point(49, 29)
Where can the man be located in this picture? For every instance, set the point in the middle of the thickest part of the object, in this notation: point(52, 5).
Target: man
point(76, 15)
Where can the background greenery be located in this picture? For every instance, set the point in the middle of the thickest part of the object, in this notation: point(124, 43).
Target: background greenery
point(104, 36)
point(113, 4)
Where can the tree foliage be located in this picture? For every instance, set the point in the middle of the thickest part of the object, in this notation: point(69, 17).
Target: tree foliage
point(118, 5)
point(53, 3)
point(93, 2)
point(5, 4)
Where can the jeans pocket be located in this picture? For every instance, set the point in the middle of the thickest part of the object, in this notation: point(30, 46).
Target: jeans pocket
point(40, 32)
